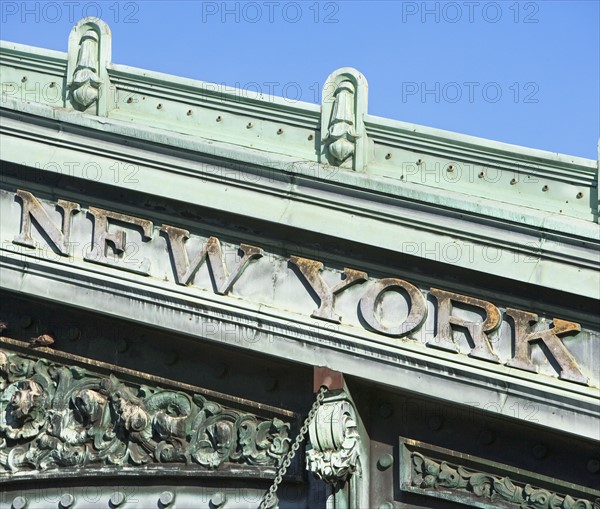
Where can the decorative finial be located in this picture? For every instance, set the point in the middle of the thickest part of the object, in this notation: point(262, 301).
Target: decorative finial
point(344, 140)
point(88, 56)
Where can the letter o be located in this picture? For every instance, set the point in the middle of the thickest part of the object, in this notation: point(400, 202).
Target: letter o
point(416, 315)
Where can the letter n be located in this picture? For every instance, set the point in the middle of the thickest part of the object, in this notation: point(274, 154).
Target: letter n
point(33, 209)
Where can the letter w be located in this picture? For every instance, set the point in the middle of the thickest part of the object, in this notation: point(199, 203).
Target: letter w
point(185, 271)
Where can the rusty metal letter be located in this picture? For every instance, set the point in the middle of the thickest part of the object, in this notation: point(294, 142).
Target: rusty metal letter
point(185, 271)
point(372, 298)
point(311, 270)
point(102, 238)
point(32, 208)
point(551, 338)
point(478, 330)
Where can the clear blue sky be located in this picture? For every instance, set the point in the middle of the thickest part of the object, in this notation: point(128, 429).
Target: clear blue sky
point(520, 72)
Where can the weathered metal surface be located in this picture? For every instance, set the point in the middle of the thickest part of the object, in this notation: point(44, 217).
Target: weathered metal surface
point(270, 290)
point(83, 422)
point(474, 272)
point(325, 377)
point(390, 306)
point(440, 473)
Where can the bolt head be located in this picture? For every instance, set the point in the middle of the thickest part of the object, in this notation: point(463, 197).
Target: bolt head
point(19, 503)
point(385, 461)
point(26, 321)
point(270, 383)
point(218, 499)
point(435, 422)
point(67, 500)
point(166, 498)
point(593, 466)
point(386, 410)
point(539, 451)
point(486, 437)
point(73, 333)
point(117, 498)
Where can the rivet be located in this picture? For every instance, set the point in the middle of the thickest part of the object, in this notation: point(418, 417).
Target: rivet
point(250, 125)
point(19, 503)
point(26, 321)
point(219, 369)
point(171, 358)
point(481, 174)
point(67, 500)
point(52, 84)
point(159, 107)
point(189, 113)
point(270, 384)
point(539, 451)
point(385, 461)
point(311, 137)
point(579, 196)
point(545, 188)
point(279, 131)
point(388, 156)
point(420, 162)
point(218, 499)
point(513, 182)
point(218, 119)
point(166, 498)
point(23, 79)
point(122, 345)
point(435, 422)
point(486, 437)
point(130, 100)
point(450, 168)
point(386, 410)
point(593, 466)
point(73, 333)
point(386, 505)
point(117, 498)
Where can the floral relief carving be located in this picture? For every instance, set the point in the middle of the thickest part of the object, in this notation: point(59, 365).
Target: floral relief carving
point(54, 416)
point(429, 474)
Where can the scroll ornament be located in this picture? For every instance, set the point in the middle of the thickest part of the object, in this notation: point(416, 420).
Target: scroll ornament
point(55, 416)
point(333, 455)
point(430, 474)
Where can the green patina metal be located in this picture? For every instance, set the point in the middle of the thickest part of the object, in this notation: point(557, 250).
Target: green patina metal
point(421, 261)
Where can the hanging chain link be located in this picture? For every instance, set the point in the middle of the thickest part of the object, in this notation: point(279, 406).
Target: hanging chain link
point(270, 499)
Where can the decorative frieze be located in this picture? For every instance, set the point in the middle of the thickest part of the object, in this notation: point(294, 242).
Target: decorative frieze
point(440, 473)
point(55, 416)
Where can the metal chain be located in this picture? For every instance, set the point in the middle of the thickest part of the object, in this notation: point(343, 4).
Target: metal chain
point(269, 499)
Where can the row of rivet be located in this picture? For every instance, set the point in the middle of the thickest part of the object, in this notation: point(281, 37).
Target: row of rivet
point(170, 358)
point(70, 333)
point(219, 118)
point(514, 181)
point(219, 369)
point(117, 499)
point(486, 437)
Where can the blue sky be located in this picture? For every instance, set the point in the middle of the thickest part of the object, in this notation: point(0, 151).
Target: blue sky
point(522, 72)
